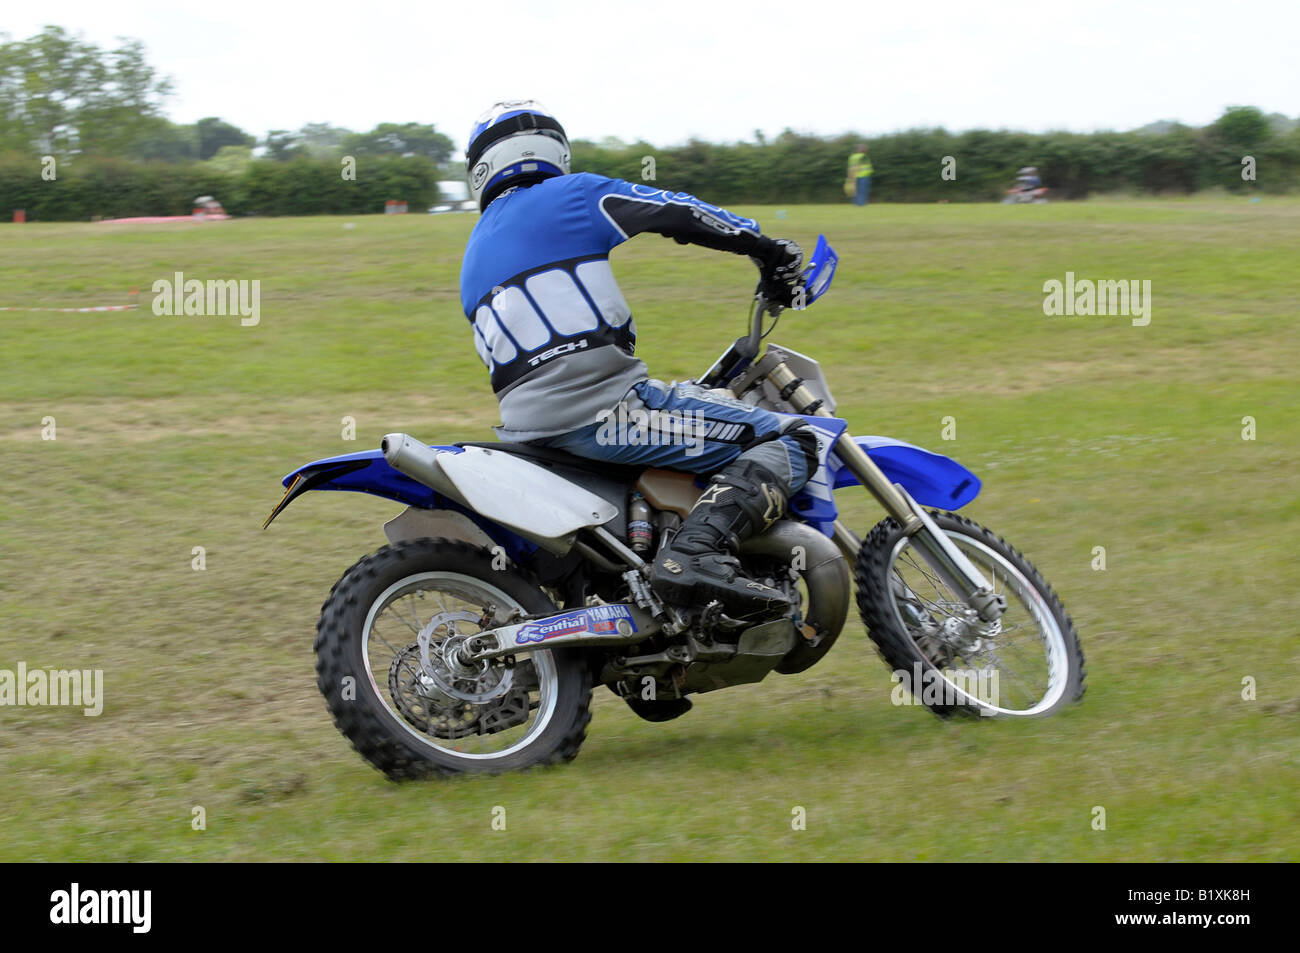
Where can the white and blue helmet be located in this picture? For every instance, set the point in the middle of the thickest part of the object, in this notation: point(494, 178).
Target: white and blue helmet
point(514, 143)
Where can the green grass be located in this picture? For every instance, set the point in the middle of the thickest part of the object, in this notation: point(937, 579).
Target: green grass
point(172, 432)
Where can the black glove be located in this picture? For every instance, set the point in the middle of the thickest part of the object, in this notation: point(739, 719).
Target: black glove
point(779, 261)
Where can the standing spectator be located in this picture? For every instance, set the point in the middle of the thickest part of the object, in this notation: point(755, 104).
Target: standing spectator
point(859, 175)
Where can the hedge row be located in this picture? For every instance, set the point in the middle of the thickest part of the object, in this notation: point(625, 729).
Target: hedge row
point(86, 188)
point(909, 165)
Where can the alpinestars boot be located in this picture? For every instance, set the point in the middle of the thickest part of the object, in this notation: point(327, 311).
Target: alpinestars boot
point(699, 565)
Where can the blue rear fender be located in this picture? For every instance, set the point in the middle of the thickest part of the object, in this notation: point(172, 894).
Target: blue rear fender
point(368, 472)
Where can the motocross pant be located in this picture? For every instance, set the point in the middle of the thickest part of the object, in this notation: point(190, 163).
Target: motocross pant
point(686, 427)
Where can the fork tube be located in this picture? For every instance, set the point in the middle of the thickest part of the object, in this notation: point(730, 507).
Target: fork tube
point(854, 457)
point(938, 550)
point(846, 540)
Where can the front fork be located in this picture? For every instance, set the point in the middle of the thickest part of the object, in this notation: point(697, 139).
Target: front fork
point(948, 562)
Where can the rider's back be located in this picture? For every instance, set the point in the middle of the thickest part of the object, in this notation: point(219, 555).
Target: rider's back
point(549, 319)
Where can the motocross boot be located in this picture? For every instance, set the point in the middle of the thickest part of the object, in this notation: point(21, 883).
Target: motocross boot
point(699, 564)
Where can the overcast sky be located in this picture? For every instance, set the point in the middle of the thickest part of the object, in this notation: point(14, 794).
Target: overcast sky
point(666, 70)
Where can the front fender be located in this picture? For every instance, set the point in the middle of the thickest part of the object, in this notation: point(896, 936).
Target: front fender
point(931, 478)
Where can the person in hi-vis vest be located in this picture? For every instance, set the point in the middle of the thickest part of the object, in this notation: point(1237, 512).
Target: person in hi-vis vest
point(858, 185)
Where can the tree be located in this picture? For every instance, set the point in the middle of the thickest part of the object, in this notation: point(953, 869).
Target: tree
point(320, 140)
point(215, 133)
point(62, 95)
point(165, 141)
point(406, 139)
point(232, 160)
point(1241, 126)
point(282, 145)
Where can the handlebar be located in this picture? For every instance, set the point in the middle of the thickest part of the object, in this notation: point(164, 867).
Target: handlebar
point(761, 307)
point(816, 278)
point(743, 350)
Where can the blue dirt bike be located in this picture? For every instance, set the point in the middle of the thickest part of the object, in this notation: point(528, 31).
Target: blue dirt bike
point(511, 586)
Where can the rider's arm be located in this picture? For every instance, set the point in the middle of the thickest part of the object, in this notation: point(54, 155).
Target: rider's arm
point(627, 209)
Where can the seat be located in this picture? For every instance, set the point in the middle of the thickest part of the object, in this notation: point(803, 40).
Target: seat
point(617, 472)
point(610, 481)
point(672, 490)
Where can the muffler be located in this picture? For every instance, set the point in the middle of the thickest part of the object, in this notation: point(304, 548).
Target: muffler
point(420, 462)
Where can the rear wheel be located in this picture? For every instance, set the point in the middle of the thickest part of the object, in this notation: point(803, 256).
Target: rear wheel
point(1028, 663)
point(398, 690)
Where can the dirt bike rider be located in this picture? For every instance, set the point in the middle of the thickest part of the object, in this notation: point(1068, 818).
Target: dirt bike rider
point(1027, 179)
point(553, 328)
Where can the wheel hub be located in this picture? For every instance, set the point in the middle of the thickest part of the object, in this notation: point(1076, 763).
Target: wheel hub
point(961, 631)
point(443, 662)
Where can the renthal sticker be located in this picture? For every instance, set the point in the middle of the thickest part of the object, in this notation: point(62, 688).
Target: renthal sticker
point(594, 620)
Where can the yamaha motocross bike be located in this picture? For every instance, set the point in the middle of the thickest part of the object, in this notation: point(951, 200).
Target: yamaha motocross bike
point(517, 578)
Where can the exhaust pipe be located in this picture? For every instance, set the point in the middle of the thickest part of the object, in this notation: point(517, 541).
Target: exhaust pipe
point(407, 455)
point(824, 572)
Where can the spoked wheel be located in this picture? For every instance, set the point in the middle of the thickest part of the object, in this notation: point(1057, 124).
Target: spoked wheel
point(389, 665)
point(1028, 663)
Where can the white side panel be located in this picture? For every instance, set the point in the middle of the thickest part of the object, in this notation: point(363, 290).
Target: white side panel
point(524, 497)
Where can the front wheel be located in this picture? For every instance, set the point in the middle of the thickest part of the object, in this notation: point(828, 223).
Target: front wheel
point(387, 664)
point(1027, 663)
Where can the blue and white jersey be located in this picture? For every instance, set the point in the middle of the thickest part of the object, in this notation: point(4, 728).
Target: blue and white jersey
point(547, 316)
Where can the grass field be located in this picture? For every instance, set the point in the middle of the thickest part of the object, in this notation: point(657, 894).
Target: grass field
point(173, 432)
